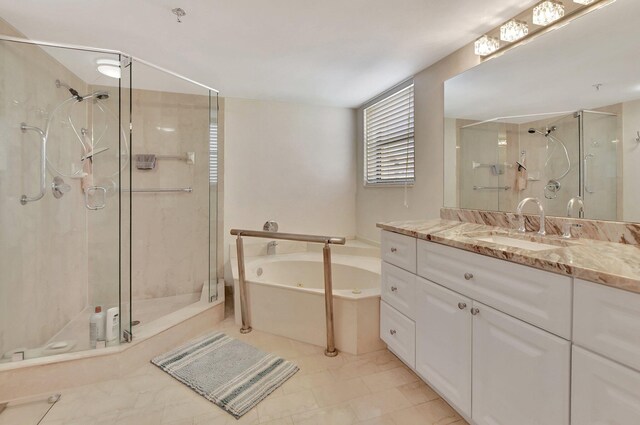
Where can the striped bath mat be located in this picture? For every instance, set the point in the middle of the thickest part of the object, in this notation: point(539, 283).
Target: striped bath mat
point(228, 372)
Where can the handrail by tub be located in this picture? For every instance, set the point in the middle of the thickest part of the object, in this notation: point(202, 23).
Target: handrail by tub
point(331, 350)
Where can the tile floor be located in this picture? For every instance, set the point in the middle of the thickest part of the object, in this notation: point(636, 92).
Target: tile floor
point(375, 388)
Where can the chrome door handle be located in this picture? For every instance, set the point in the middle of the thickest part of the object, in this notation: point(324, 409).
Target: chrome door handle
point(95, 189)
point(468, 276)
point(392, 331)
point(462, 306)
point(393, 249)
point(475, 311)
point(394, 289)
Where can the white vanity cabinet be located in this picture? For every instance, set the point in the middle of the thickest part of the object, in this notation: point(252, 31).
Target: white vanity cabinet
point(492, 337)
point(606, 356)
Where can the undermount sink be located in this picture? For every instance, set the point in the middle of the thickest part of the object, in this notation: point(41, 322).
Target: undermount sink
point(528, 241)
point(518, 243)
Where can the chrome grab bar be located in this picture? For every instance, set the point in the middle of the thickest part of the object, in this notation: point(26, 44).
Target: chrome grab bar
point(491, 187)
point(331, 350)
point(160, 190)
point(95, 189)
point(24, 199)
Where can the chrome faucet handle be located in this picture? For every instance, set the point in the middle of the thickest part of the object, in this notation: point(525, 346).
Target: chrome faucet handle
point(566, 229)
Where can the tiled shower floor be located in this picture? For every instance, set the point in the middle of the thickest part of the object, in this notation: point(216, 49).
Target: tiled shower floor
point(144, 310)
point(375, 388)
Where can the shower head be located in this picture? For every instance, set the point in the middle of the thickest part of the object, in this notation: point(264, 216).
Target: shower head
point(545, 133)
point(73, 91)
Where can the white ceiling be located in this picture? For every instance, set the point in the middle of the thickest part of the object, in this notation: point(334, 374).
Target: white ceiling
point(557, 71)
point(330, 52)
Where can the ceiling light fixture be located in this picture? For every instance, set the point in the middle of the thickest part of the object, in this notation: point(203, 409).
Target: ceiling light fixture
point(109, 67)
point(585, 2)
point(547, 12)
point(513, 30)
point(486, 45)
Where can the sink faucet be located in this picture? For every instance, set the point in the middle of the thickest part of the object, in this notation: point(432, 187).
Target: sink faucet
point(521, 205)
point(566, 227)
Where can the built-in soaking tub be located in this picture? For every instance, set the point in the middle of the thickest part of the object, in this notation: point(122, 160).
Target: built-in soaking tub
point(285, 296)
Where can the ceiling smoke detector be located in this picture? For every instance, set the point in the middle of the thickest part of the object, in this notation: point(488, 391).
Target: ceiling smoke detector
point(179, 12)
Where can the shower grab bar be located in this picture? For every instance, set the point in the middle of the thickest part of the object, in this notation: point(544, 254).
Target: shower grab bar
point(24, 199)
point(160, 190)
point(491, 187)
point(331, 350)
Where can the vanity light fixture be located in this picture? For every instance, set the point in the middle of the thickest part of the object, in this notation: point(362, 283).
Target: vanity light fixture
point(585, 2)
point(513, 30)
point(547, 12)
point(486, 45)
point(109, 67)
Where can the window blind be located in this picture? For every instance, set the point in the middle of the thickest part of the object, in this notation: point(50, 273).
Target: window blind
point(389, 139)
point(213, 153)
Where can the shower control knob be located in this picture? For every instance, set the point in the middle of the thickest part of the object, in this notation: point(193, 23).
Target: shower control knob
point(468, 276)
point(393, 249)
point(394, 289)
point(462, 306)
point(475, 311)
point(392, 331)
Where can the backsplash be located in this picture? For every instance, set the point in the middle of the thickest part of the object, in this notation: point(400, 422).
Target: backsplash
point(609, 231)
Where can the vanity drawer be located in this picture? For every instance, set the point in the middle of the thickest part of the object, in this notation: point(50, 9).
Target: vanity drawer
point(399, 250)
point(399, 289)
point(607, 321)
point(399, 333)
point(540, 298)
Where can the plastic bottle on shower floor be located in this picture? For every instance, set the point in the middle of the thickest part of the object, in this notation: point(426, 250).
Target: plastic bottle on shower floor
point(112, 324)
point(96, 327)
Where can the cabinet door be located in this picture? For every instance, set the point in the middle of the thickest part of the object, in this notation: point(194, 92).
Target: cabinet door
point(443, 342)
point(603, 392)
point(521, 374)
point(399, 332)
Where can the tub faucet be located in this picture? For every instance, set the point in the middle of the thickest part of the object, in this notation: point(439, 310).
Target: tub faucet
point(521, 205)
point(566, 227)
point(271, 248)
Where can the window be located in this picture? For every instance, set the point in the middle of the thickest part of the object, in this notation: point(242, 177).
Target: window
point(389, 154)
point(213, 153)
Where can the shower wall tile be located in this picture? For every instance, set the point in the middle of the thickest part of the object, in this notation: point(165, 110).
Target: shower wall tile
point(170, 233)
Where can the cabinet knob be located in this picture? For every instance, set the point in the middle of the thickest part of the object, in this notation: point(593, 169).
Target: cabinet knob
point(393, 249)
point(475, 311)
point(392, 331)
point(394, 289)
point(462, 306)
point(468, 276)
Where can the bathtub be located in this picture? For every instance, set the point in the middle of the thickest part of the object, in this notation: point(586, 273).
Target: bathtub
point(285, 296)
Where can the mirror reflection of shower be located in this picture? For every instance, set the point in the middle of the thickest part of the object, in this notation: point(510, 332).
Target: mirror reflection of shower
point(553, 186)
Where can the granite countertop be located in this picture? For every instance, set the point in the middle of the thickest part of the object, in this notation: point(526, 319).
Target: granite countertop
point(608, 263)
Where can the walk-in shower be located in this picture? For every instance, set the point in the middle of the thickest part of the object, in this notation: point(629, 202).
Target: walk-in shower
point(81, 226)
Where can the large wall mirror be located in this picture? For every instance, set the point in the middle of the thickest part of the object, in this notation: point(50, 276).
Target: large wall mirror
point(555, 118)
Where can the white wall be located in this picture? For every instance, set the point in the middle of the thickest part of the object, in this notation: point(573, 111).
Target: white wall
point(425, 198)
point(291, 163)
point(631, 155)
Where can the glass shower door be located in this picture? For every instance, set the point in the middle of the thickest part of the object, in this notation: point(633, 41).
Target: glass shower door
point(599, 144)
point(60, 139)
